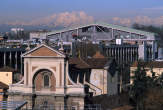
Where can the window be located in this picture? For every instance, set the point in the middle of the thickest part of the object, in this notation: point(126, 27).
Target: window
point(74, 108)
point(46, 80)
point(45, 105)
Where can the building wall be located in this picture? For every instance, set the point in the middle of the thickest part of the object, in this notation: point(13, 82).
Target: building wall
point(6, 77)
point(11, 57)
point(103, 82)
point(52, 102)
point(38, 35)
point(122, 53)
point(33, 65)
point(39, 82)
point(98, 78)
point(1, 94)
point(112, 84)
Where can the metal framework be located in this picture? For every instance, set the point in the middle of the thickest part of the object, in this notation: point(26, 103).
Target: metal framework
point(115, 30)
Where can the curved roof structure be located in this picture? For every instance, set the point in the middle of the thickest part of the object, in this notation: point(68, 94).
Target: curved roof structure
point(112, 26)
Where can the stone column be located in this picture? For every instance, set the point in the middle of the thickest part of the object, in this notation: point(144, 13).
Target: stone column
point(123, 54)
point(143, 51)
point(21, 64)
point(10, 59)
point(4, 60)
point(118, 53)
point(150, 53)
point(16, 65)
point(109, 52)
point(131, 54)
point(77, 32)
point(128, 54)
point(137, 54)
point(112, 34)
point(154, 49)
point(94, 34)
point(115, 51)
point(134, 56)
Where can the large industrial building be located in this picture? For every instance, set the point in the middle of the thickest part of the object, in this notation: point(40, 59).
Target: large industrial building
point(118, 40)
point(101, 32)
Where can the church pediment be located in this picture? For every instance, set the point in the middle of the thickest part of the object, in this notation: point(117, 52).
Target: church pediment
point(43, 51)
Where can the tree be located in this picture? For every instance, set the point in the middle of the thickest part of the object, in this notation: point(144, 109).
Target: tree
point(147, 91)
point(152, 81)
point(154, 99)
point(139, 86)
point(160, 80)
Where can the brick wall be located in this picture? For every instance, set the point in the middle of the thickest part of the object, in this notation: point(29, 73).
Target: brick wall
point(39, 82)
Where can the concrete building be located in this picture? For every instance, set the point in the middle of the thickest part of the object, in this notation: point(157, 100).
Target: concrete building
point(11, 57)
point(127, 53)
point(3, 91)
point(98, 73)
point(47, 81)
point(6, 75)
point(17, 30)
point(38, 34)
point(97, 32)
point(160, 54)
point(117, 40)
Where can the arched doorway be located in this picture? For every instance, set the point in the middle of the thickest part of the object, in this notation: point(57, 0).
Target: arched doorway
point(44, 79)
point(44, 82)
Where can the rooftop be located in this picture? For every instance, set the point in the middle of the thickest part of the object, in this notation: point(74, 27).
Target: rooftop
point(3, 86)
point(98, 61)
point(123, 28)
point(78, 63)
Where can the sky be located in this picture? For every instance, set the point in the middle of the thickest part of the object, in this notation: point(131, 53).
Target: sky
point(57, 12)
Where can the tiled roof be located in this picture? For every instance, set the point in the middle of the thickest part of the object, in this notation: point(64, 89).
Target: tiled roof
point(78, 63)
point(98, 55)
point(154, 64)
point(44, 50)
point(3, 86)
point(96, 63)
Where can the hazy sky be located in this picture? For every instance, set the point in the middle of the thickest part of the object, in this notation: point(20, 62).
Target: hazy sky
point(20, 10)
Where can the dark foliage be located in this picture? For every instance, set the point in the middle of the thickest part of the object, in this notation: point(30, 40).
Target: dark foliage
point(146, 90)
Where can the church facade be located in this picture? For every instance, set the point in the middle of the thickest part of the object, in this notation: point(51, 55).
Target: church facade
point(46, 81)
